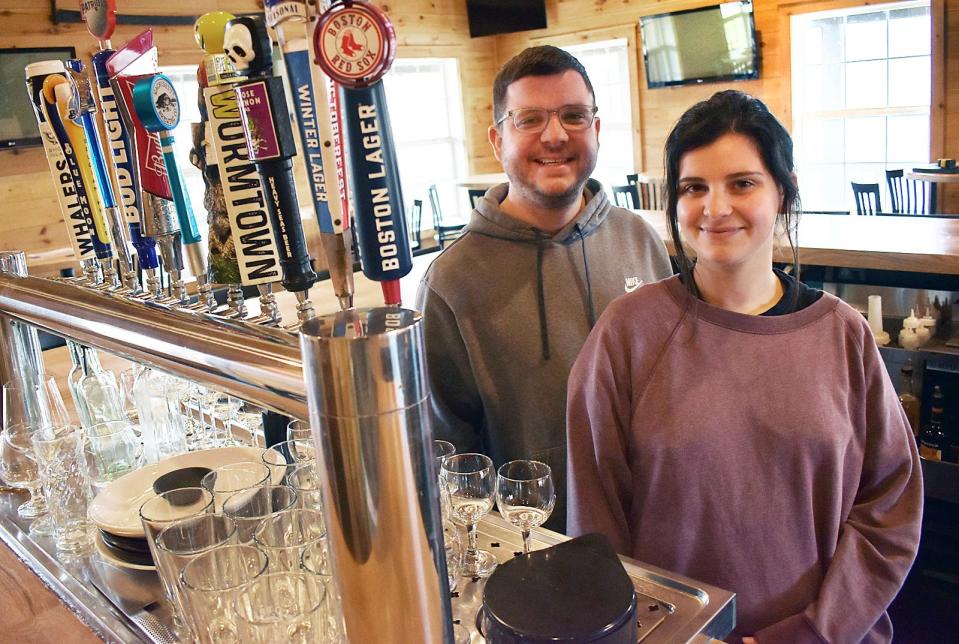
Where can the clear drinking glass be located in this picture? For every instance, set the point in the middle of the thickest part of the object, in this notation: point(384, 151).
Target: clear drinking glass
point(162, 425)
point(471, 482)
point(315, 560)
point(283, 607)
point(281, 457)
point(299, 430)
point(59, 452)
point(128, 378)
point(227, 480)
point(112, 450)
point(250, 507)
point(284, 535)
point(306, 481)
point(212, 582)
point(18, 465)
point(525, 495)
point(250, 418)
point(160, 512)
point(442, 449)
point(180, 542)
point(36, 406)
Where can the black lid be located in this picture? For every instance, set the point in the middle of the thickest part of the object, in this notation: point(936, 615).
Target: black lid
point(577, 591)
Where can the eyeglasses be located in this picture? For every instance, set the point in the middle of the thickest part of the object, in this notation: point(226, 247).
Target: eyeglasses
point(573, 118)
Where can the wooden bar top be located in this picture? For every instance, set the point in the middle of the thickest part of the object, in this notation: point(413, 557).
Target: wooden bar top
point(31, 611)
point(905, 243)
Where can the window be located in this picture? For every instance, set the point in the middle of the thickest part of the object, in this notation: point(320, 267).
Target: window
point(426, 115)
point(607, 65)
point(861, 95)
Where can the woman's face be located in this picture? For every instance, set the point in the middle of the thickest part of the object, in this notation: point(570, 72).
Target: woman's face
point(727, 205)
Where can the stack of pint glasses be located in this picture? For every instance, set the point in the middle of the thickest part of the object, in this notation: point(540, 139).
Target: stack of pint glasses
point(244, 556)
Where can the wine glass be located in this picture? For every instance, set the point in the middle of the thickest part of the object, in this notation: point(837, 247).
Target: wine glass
point(19, 468)
point(471, 483)
point(299, 430)
point(525, 495)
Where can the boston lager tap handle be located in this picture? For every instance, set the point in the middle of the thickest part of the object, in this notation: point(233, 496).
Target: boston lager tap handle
point(269, 137)
point(355, 45)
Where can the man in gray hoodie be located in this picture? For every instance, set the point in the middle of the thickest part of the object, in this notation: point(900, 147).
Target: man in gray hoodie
point(508, 306)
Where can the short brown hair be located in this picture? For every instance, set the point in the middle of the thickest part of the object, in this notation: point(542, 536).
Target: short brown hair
point(544, 60)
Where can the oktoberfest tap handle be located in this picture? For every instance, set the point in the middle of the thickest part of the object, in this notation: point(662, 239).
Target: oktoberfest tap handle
point(158, 108)
point(355, 45)
point(71, 205)
point(156, 104)
point(269, 138)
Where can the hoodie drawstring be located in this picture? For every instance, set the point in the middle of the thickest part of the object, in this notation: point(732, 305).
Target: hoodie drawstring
point(591, 310)
point(541, 295)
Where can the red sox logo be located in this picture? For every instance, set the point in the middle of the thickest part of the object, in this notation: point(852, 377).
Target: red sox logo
point(355, 45)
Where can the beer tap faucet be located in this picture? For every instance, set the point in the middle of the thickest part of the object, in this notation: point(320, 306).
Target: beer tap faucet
point(269, 137)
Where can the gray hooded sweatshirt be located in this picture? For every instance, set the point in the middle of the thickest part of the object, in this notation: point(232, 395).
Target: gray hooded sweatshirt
point(506, 310)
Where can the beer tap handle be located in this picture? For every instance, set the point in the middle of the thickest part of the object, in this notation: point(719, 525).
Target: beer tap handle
point(158, 108)
point(84, 109)
point(289, 20)
point(73, 205)
point(58, 97)
point(269, 138)
point(379, 215)
point(123, 171)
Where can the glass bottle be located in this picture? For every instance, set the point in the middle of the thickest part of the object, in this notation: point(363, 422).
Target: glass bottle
point(94, 389)
point(908, 399)
point(932, 440)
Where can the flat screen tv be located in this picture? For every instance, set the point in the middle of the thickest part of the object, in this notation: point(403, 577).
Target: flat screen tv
point(488, 17)
point(716, 43)
point(18, 124)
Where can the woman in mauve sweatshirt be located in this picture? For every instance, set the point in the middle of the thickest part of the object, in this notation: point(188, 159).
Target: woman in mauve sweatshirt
point(736, 426)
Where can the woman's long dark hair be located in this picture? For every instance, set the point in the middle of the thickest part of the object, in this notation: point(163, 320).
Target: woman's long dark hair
point(728, 112)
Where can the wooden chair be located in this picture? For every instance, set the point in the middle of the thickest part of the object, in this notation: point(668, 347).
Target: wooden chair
point(415, 219)
point(626, 196)
point(867, 198)
point(475, 195)
point(632, 178)
point(652, 195)
point(443, 232)
point(908, 197)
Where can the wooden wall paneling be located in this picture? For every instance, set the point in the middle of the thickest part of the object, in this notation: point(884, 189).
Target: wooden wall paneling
point(634, 55)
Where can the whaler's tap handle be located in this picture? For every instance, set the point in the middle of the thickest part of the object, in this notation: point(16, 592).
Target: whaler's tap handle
point(269, 136)
point(57, 96)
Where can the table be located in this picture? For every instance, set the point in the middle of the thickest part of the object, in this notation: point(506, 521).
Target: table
point(481, 181)
point(907, 243)
point(935, 178)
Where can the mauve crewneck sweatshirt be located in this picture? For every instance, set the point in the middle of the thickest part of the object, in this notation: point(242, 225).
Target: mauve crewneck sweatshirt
point(765, 455)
